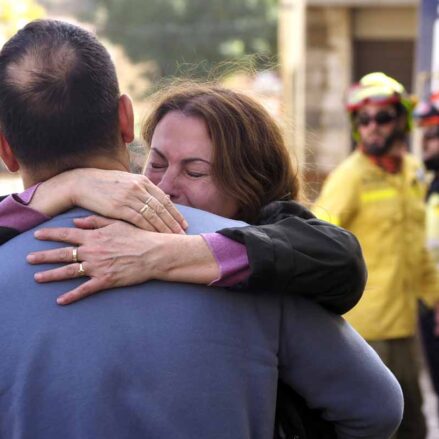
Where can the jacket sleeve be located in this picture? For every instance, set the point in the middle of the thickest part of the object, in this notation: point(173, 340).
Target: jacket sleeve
point(293, 252)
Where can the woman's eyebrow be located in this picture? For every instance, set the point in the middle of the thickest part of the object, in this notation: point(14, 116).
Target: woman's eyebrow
point(157, 151)
point(195, 159)
point(185, 161)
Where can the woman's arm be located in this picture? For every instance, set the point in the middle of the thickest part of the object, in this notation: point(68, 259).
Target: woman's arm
point(297, 255)
point(290, 251)
point(114, 193)
point(293, 252)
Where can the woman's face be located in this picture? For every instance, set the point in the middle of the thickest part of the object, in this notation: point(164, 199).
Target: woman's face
point(180, 163)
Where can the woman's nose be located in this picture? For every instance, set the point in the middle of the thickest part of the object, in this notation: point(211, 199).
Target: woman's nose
point(168, 184)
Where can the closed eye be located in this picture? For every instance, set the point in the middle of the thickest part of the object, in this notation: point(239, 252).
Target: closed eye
point(158, 166)
point(196, 174)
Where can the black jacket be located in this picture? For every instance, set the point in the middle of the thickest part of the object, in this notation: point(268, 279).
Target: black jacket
point(290, 251)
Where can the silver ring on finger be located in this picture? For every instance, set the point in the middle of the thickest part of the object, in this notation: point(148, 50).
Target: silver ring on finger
point(81, 271)
point(75, 254)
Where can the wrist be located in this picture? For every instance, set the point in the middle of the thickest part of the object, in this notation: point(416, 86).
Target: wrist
point(70, 183)
point(52, 196)
point(183, 258)
point(155, 256)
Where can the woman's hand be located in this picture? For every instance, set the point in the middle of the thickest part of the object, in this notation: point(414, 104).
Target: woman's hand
point(115, 194)
point(114, 254)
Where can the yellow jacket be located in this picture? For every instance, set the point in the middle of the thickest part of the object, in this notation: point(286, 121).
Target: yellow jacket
point(387, 214)
point(433, 226)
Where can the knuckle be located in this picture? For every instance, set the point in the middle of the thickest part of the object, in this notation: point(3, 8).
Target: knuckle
point(38, 258)
point(64, 254)
point(153, 203)
point(144, 180)
point(133, 184)
point(108, 278)
point(64, 234)
point(99, 234)
point(82, 291)
point(161, 210)
point(155, 220)
point(149, 214)
point(71, 271)
point(168, 203)
point(133, 216)
point(174, 226)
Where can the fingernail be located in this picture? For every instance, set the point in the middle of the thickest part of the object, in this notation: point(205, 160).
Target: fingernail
point(185, 224)
point(30, 258)
point(61, 301)
point(37, 276)
point(37, 233)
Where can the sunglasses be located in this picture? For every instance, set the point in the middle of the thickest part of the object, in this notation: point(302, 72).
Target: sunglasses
point(381, 118)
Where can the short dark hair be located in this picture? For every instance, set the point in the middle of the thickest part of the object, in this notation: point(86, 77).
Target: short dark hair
point(58, 95)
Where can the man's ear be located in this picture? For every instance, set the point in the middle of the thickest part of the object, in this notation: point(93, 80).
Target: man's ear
point(126, 118)
point(7, 155)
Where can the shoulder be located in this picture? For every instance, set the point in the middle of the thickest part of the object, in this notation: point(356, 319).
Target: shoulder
point(345, 180)
point(414, 165)
point(278, 210)
point(349, 168)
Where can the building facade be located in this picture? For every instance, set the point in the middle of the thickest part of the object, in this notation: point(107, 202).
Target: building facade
point(345, 39)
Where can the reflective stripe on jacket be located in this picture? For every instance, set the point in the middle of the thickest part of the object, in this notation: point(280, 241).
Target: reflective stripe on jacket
point(387, 214)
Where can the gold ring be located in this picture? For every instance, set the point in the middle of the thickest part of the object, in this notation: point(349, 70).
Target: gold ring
point(75, 254)
point(144, 209)
point(81, 271)
point(148, 200)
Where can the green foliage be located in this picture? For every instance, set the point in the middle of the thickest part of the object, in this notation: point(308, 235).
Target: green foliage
point(15, 14)
point(174, 33)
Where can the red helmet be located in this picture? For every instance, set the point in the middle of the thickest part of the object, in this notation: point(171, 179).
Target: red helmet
point(426, 112)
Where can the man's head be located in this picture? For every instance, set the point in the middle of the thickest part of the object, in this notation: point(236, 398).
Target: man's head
point(380, 113)
point(60, 106)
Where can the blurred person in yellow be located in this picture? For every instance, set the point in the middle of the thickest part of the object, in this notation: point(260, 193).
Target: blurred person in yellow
point(427, 116)
point(378, 194)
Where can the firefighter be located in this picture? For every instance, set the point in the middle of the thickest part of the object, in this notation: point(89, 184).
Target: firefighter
point(378, 194)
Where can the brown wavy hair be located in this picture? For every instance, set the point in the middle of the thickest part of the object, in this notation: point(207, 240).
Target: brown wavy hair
point(250, 160)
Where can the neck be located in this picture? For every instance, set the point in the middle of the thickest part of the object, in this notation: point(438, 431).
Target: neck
point(31, 177)
point(396, 151)
point(390, 162)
